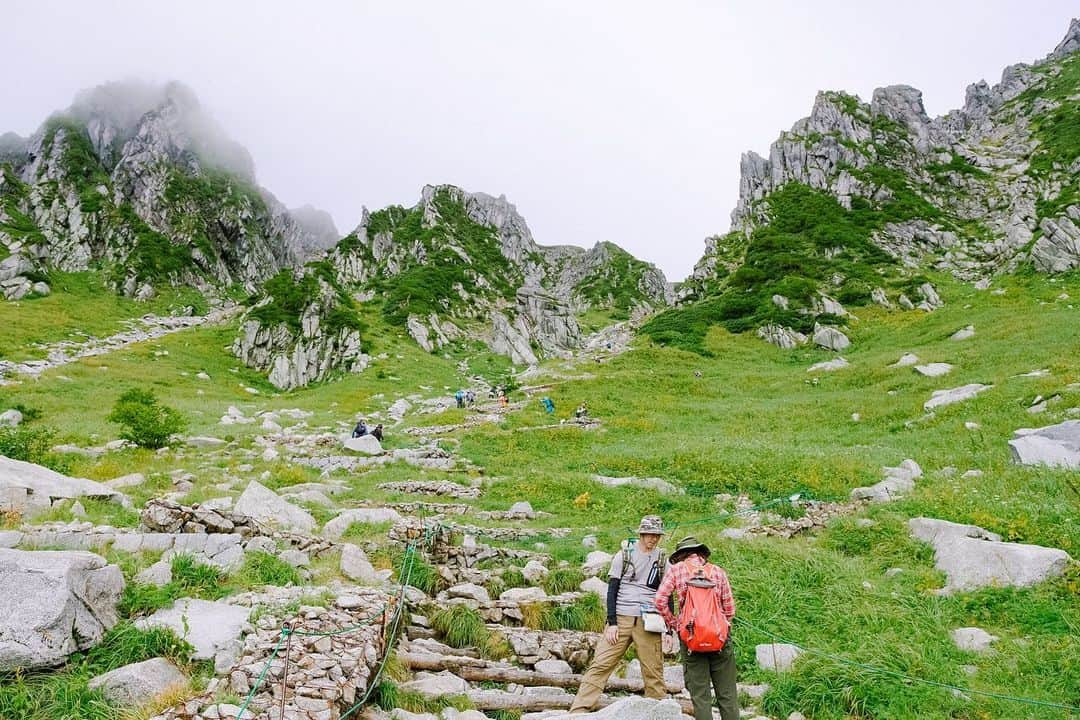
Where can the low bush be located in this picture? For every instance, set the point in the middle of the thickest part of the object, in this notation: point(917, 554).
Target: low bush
point(145, 421)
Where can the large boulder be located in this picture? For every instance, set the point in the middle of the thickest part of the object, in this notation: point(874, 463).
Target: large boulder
point(336, 527)
point(830, 338)
point(972, 557)
point(53, 604)
point(28, 488)
point(779, 657)
point(212, 628)
point(139, 683)
point(435, 685)
point(365, 445)
point(264, 506)
point(1053, 445)
point(355, 564)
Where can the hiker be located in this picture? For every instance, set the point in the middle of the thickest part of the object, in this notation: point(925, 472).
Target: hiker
point(377, 432)
point(503, 400)
point(636, 572)
point(582, 411)
point(549, 406)
point(470, 398)
point(706, 609)
point(460, 397)
point(360, 430)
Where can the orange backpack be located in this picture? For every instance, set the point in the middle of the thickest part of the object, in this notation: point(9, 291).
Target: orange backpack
point(702, 624)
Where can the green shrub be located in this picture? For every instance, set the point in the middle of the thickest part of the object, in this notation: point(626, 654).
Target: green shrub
point(32, 444)
point(422, 575)
point(146, 422)
point(586, 614)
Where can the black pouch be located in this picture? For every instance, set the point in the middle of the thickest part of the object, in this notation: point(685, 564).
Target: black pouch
point(653, 583)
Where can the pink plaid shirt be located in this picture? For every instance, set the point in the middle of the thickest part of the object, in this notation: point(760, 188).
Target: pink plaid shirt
point(675, 581)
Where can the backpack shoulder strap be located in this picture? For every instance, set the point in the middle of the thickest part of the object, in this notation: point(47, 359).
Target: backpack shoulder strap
point(627, 562)
point(661, 561)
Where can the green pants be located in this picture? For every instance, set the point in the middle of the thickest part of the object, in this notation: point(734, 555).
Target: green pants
point(705, 672)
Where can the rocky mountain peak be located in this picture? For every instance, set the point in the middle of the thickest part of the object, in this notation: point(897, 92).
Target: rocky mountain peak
point(1069, 44)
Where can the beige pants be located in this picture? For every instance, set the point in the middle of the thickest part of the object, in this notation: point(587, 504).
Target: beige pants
point(608, 656)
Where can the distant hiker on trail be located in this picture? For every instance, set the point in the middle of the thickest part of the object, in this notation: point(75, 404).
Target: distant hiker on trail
point(470, 398)
point(549, 407)
point(503, 400)
point(377, 432)
point(491, 393)
point(706, 609)
point(582, 411)
point(460, 397)
point(636, 572)
point(360, 430)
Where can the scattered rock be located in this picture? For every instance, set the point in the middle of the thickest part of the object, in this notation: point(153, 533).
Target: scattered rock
point(594, 585)
point(963, 333)
point(972, 557)
point(830, 338)
point(534, 571)
point(264, 506)
point(469, 591)
point(73, 602)
point(27, 488)
point(200, 441)
point(934, 369)
point(778, 657)
point(973, 639)
point(355, 564)
point(10, 418)
point(212, 628)
point(365, 445)
point(829, 365)
point(940, 398)
point(1053, 445)
point(336, 527)
point(658, 484)
point(436, 685)
point(596, 562)
point(898, 480)
point(906, 360)
point(139, 683)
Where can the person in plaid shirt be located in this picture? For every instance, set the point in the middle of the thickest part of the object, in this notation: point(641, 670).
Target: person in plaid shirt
point(708, 671)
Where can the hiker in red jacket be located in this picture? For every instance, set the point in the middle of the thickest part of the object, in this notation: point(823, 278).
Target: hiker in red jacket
point(706, 609)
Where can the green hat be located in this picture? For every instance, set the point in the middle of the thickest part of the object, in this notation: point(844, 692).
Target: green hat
point(688, 546)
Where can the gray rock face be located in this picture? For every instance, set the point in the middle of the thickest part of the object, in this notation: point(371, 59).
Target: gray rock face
point(297, 357)
point(336, 527)
point(264, 506)
point(1053, 446)
point(1058, 250)
point(139, 683)
point(320, 232)
point(212, 628)
point(355, 564)
point(74, 602)
point(972, 557)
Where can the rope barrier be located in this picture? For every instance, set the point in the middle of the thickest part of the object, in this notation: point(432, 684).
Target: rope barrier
point(407, 565)
point(903, 676)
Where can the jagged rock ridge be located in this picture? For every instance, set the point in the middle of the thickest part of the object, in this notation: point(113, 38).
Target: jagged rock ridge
point(980, 190)
point(139, 181)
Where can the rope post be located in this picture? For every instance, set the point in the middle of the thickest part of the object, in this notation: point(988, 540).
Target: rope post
point(286, 630)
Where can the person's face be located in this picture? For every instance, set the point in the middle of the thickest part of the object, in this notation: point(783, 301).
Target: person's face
point(648, 541)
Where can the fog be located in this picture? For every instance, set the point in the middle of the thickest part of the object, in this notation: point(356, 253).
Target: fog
point(601, 120)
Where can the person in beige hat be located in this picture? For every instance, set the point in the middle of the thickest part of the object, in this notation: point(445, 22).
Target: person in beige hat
point(636, 572)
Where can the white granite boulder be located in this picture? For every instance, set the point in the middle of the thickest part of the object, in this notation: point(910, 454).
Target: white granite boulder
point(972, 557)
point(54, 603)
point(939, 398)
point(212, 628)
point(139, 683)
point(266, 507)
point(779, 657)
point(1053, 445)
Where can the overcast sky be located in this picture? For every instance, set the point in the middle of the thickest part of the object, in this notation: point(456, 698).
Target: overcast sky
point(615, 120)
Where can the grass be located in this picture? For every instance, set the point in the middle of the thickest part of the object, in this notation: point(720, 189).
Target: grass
point(751, 424)
point(460, 626)
point(64, 694)
point(563, 580)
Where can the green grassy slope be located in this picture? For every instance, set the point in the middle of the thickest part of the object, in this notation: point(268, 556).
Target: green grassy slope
point(754, 422)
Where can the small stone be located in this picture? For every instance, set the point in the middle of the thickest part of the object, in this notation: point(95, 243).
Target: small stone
point(779, 657)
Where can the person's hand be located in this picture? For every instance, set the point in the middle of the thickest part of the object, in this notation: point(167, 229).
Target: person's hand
point(611, 634)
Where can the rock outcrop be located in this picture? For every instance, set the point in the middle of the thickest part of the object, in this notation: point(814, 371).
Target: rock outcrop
point(74, 597)
point(1053, 446)
point(301, 332)
point(26, 488)
point(139, 179)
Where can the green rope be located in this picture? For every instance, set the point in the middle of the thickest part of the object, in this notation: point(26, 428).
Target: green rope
point(262, 675)
point(903, 676)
